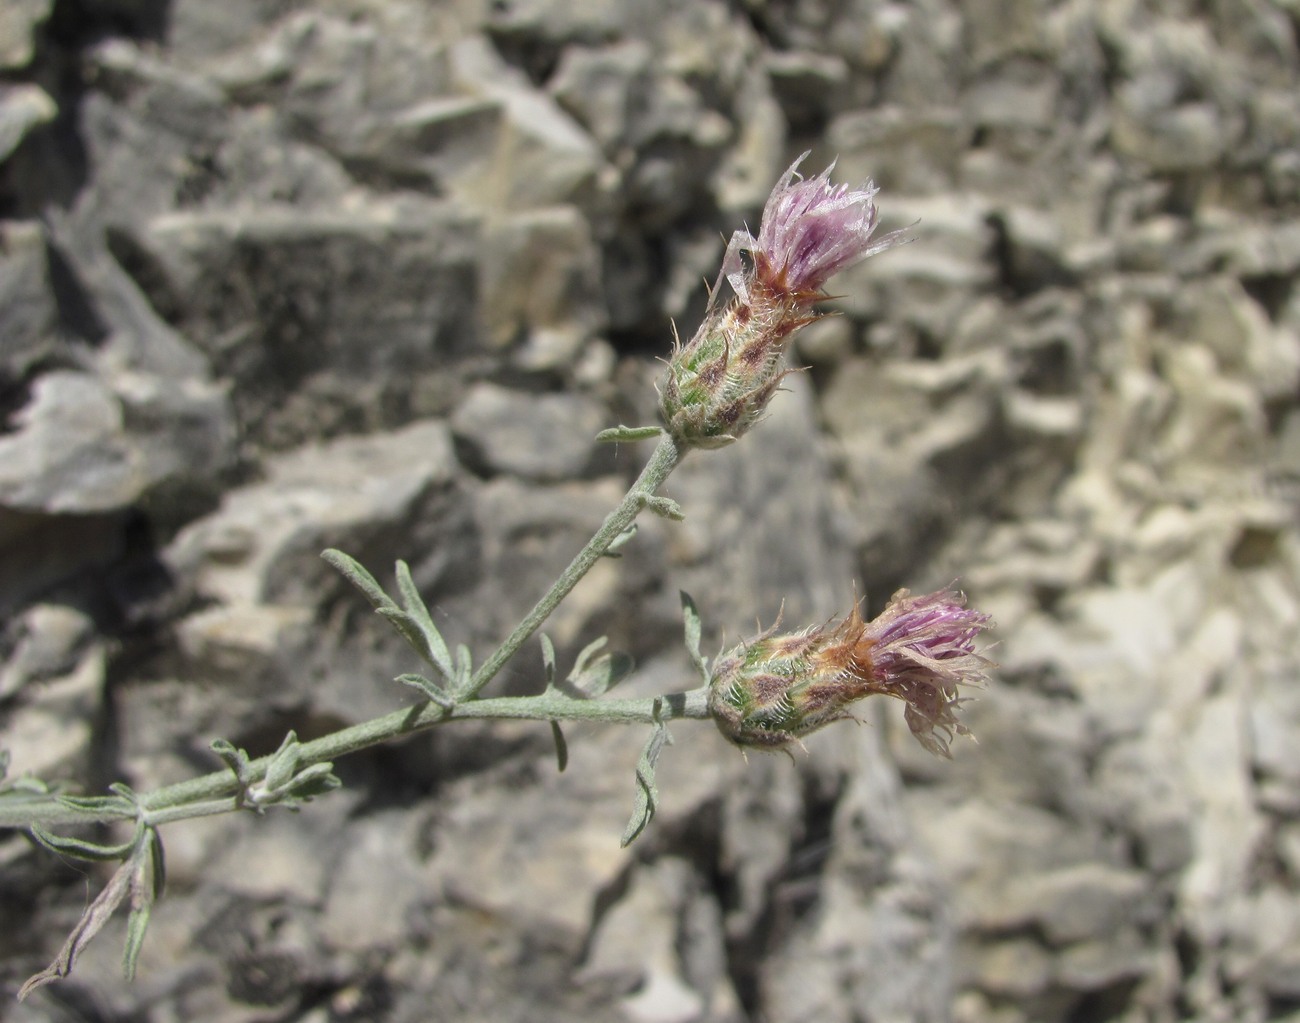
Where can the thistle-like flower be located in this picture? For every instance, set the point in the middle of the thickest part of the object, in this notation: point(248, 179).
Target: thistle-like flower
point(775, 689)
point(719, 382)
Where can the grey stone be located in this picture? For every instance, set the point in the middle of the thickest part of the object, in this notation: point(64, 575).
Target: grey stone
point(907, 150)
point(45, 642)
point(549, 159)
point(19, 24)
point(70, 452)
point(545, 437)
point(539, 269)
point(605, 88)
point(806, 84)
point(271, 296)
point(254, 563)
point(22, 108)
point(49, 732)
point(29, 316)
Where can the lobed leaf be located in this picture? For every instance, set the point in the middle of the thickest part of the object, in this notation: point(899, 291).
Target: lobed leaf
point(647, 795)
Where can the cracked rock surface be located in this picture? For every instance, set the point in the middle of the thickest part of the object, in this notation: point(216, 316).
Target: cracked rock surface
point(371, 274)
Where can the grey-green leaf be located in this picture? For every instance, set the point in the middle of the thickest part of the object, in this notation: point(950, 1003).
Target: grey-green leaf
point(694, 628)
point(283, 765)
point(76, 847)
point(353, 572)
point(430, 690)
point(628, 433)
point(548, 659)
point(561, 746)
point(435, 648)
point(665, 507)
point(620, 541)
point(600, 676)
point(647, 795)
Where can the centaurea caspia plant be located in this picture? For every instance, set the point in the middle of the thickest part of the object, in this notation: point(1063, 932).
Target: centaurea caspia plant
point(764, 694)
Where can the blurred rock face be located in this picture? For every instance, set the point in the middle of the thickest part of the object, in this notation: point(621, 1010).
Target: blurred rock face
point(282, 276)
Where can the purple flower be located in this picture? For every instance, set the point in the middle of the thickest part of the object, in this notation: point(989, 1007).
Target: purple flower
point(719, 383)
point(811, 230)
point(921, 649)
point(774, 690)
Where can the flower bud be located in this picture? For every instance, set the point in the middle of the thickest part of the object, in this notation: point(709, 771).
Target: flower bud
point(719, 382)
point(775, 689)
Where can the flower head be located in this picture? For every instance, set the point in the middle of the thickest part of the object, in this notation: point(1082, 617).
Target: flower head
point(811, 230)
point(719, 383)
point(775, 689)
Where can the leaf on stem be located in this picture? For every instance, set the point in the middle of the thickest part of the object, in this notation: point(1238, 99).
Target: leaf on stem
point(435, 647)
point(287, 782)
point(647, 795)
point(665, 507)
point(77, 848)
point(464, 670)
point(354, 573)
point(140, 876)
point(595, 671)
point(628, 433)
point(620, 541)
point(236, 759)
point(412, 622)
point(431, 691)
point(147, 883)
point(691, 620)
point(548, 660)
point(561, 746)
point(119, 805)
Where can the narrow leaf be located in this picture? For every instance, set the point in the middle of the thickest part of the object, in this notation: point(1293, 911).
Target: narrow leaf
point(548, 659)
point(283, 765)
point(315, 780)
point(665, 507)
point(436, 651)
point(76, 847)
point(620, 541)
point(100, 805)
point(628, 433)
point(354, 573)
point(691, 620)
point(158, 863)
point(561, 746)
point(146, 888)
point(136, 925)
point(647, 795)
point(464, 668)
point(406, 628)
point(234, 758)
point(430, 690)
point(586, 654)
point(91, 923)
point(600, 676)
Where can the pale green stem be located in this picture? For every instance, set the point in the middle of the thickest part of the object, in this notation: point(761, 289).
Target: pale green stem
point(216, 793)
point(662, 462)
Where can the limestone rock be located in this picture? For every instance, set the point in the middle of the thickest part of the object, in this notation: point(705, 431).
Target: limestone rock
point(19, 23)
point(22, 108)
point(545, 438)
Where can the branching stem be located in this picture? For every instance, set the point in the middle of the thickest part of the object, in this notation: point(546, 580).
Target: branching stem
point(662, 462)
point(219, 792)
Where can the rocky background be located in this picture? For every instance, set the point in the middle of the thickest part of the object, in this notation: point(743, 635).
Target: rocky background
point(277, 275)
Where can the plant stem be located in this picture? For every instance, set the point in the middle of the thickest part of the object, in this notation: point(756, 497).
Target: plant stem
point(213, 793)
point(663, 461)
